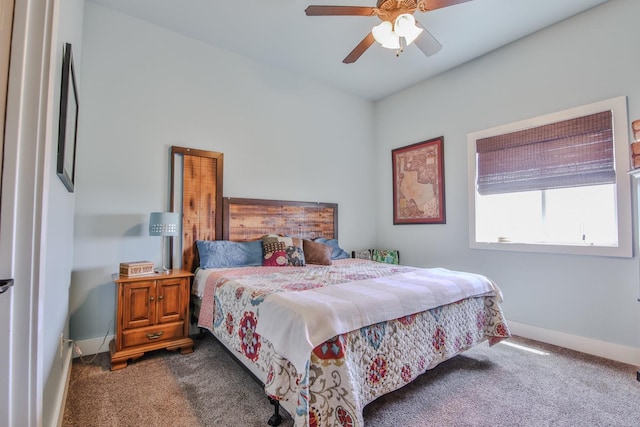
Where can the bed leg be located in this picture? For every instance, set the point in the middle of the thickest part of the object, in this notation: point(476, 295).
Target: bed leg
point(276, 418)
point(201, 334)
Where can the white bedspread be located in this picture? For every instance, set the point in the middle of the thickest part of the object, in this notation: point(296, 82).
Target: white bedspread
point(322, 313)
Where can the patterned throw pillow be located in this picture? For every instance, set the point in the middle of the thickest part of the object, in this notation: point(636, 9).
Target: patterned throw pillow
point(362, 254)
point(388, 256)
point(281, 251)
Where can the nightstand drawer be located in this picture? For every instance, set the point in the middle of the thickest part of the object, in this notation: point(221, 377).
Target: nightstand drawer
point(153, 334)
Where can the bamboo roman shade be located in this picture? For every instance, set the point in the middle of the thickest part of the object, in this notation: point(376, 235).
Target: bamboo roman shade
point(570, 153)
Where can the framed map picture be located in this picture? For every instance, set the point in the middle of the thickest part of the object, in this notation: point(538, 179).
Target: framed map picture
point(418, 183)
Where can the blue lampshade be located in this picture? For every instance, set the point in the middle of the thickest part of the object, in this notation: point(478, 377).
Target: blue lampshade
point(164, 223)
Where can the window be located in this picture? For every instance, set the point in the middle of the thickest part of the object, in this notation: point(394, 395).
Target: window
point(556, 183)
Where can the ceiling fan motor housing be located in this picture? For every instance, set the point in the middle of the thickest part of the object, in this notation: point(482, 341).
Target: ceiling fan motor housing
point(388, 10)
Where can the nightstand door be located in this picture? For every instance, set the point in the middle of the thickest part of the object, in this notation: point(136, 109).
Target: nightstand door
point(172, 302)
point(139, 304)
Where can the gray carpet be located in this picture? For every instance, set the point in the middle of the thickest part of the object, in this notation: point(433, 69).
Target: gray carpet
point(497, 386)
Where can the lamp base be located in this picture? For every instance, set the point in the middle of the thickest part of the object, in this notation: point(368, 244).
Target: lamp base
point(163, 270)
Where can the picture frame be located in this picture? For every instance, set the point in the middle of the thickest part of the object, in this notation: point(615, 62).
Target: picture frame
point(68, 122)
point(418, 183)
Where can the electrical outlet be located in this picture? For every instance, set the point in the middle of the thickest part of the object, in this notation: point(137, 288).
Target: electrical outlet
point(61, 343)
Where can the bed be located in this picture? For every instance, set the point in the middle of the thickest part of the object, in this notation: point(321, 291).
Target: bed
point(306, 330)
point(326, 371)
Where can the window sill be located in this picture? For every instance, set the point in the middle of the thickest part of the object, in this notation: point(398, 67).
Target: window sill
point(589, 250)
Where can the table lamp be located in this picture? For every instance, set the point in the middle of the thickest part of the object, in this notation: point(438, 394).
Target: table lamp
point(164, 224)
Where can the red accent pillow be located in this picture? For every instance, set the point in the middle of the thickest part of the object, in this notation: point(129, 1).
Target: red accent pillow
point(281, 251)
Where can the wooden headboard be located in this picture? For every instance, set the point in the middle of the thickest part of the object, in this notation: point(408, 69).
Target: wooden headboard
point(250, 219)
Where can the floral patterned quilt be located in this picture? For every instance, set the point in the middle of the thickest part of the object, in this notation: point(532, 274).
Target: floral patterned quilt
point(352, 369)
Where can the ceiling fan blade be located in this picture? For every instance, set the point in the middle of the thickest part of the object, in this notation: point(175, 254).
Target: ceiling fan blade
point(360, 49)
point(339, 10)
point(428, 44)
point(426, 5)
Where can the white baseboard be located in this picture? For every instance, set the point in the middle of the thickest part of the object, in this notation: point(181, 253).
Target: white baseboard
point(598, 348)
point(61, 396)
point(93, 345)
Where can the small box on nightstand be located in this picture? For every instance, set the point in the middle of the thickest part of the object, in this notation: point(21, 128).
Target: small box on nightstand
point(136, 268)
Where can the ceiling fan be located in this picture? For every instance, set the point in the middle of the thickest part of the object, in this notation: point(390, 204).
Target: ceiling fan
point(398, 29)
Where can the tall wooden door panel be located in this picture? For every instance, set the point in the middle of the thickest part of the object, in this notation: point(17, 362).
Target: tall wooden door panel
point(196, 192)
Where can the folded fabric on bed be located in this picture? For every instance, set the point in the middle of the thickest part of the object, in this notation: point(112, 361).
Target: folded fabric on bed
point(296, 322)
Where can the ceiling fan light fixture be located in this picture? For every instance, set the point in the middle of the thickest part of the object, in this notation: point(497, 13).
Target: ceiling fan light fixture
point(383, 33)
point(405, 26)
point(389, 35)
point(400, 29)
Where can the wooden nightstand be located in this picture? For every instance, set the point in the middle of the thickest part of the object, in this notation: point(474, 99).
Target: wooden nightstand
point(152, 313)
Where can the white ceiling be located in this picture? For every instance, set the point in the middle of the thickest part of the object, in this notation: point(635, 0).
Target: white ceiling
point(279, 33)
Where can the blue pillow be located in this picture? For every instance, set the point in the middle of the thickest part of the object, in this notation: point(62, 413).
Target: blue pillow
point(225, 253)
point(336, 251)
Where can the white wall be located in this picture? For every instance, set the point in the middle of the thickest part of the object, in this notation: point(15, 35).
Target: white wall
point(585, 59)
point(145, 89)
point(58, 217)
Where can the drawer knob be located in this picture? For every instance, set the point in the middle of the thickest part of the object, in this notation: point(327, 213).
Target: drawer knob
point(155, 335)
point(151, 299)
point(160, 297)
